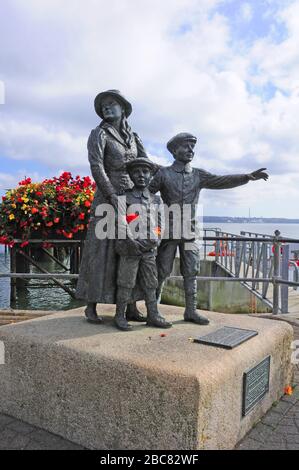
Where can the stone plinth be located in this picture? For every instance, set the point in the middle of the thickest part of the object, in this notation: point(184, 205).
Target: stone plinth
point(107, 389)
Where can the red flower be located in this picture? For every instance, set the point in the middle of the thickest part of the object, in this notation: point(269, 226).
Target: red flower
point(66, 175)
point(60, 199)
point(34, 210)
point(4, 198)
point(25, 182)
point(50, 224)
point(56, 220)
point(131, 217)
point(3, 240)
point(39, 193)
point(288, 390)
point(20, 199)
point(82, 216)
point(25, 243)
point(87, 203)
point(86, 182)
point(67, 235)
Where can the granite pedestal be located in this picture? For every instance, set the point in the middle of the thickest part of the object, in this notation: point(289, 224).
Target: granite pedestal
point(106, 389)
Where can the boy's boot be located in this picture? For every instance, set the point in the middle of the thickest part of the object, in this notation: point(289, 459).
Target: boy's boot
point(191, 315)
point(154, 318)
point(120, 320)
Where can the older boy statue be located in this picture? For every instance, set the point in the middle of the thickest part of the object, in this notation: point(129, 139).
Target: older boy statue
point(138, 250)
point(180, 184)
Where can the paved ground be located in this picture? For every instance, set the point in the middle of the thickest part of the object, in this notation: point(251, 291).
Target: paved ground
point(279, 428)
point(17, 435)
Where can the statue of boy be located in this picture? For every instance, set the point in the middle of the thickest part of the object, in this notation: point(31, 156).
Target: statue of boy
point(181, 184)
point(138, 251)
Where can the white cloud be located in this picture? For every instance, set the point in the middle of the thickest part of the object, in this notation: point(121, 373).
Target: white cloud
point(22, 141)
point(9, 181)
point(266, 199)
point(246, 11)
point(2, 93)
point(176, 62)
point(279, 63)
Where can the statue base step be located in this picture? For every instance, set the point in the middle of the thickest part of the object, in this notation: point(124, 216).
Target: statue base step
point(145, 389)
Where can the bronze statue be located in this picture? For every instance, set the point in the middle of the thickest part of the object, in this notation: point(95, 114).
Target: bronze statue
point(138, 254)
point(181, 184)
point(113, 151)
point(111, 146)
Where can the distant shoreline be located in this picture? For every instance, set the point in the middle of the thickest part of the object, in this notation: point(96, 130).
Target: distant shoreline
point(247, 220)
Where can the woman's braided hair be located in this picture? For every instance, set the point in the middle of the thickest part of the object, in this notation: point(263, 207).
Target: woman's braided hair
point(126, 131)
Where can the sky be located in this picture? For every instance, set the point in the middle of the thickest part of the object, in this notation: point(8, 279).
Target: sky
point(225, 70)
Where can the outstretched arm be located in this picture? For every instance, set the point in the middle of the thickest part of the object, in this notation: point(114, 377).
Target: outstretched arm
point(210, 181)
point(259, 175)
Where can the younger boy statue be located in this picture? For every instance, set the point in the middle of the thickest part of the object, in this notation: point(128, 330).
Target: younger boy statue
point(138, 249)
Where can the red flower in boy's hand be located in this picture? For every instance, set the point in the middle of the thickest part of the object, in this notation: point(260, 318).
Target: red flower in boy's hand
point(131, 217)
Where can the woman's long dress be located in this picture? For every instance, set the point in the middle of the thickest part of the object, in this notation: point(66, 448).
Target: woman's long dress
point(107, 153)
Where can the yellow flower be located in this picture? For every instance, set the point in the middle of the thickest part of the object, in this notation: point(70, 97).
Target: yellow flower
point(24, 207)
point(25, 199)
point(14, 206)
point(11, 217)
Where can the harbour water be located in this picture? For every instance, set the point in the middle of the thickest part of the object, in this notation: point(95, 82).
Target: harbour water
point(42, 295)
point(287, 230)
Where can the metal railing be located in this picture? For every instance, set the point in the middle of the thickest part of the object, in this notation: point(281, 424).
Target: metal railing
point(24, 257)
point(258, 260)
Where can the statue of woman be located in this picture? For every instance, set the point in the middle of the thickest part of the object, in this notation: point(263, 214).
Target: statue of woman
point(110, 146)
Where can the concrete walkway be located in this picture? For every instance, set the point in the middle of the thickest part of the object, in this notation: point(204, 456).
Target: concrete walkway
point(17, 435)
point(278, 429)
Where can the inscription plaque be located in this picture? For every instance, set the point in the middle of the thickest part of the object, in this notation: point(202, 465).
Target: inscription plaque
point(255, 385)
point(226, 337)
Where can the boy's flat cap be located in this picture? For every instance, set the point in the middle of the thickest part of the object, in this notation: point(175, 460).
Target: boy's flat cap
point(177, 139)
